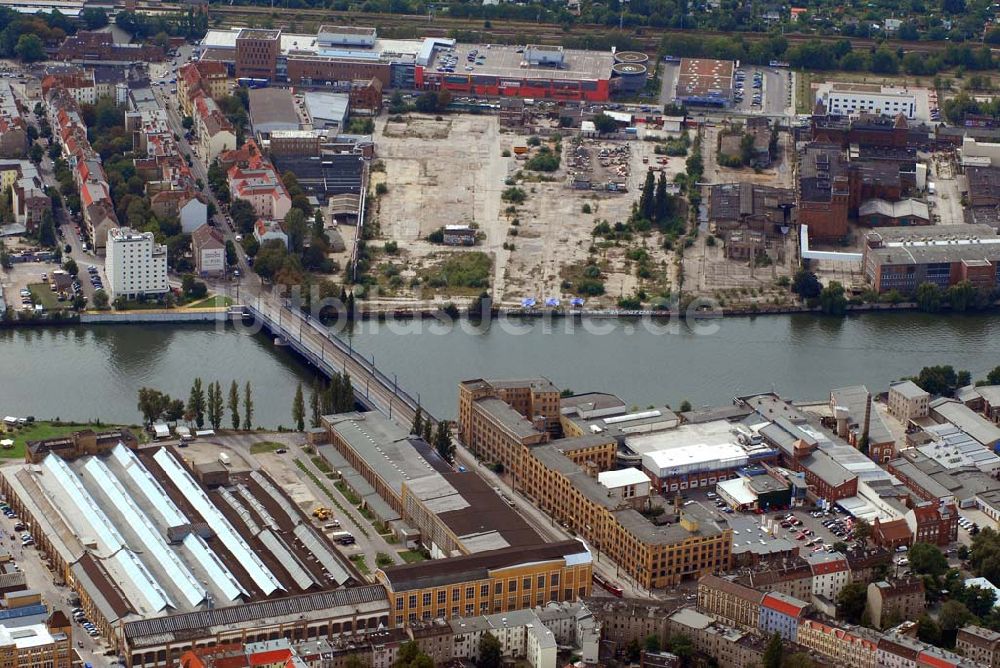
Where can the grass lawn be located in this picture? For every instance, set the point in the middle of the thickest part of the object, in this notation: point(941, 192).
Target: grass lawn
point(38, 431)
point(411, 556)
point(215, 301)
point(321, 464)
point(42, 294)
point(264, 446)
point(804, 102)
point(359, 562)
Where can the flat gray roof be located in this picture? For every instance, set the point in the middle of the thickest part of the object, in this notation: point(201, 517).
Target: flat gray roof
point(505, 61)
point(507, 416)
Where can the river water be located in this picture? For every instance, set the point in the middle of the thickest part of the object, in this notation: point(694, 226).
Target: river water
point(83, 373)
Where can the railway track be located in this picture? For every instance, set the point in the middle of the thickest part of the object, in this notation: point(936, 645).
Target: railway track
point(512, 32)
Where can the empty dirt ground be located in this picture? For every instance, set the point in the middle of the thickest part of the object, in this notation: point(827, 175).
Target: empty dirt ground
point(453, 171)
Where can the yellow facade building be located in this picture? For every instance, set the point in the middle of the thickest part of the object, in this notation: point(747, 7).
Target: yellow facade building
point(489, 582)
point(560, 475)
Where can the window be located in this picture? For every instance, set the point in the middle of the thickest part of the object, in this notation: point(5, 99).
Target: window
point(554, 579)
point(484, 590)
point(456, 594)
point(413, 600)
point(399, 603)
point(426, 598)
point(498, 588)
point(540, 584)
point(470, 592)
point(442, 596)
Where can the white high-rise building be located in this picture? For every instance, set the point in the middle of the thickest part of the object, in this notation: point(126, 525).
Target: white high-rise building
point(135, 264)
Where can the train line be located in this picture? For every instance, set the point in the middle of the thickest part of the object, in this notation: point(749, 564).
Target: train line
point(515, 32)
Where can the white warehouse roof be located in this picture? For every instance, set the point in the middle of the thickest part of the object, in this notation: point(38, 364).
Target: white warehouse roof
point(695, 457)
point(622, 478)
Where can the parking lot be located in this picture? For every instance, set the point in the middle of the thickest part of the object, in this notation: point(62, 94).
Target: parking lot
point(756, 90)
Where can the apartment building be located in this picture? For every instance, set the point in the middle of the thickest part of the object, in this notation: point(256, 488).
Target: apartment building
point(560, 476)
point(980, 645)
point(908, 401)
point(782, 614)
point(209, 251)
point(624, 621)
point(830, 574)
point(494, 581)
point(789, 576)
point(895, 601)
point(215, 133)
point(136, 265)
point(13, 128)
point(735, 603)
point(256, 181)
point(203, 76)
point(29, 200)
point(844, 645)
point(730, 647)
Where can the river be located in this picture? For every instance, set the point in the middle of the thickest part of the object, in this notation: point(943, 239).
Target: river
point(83, 373)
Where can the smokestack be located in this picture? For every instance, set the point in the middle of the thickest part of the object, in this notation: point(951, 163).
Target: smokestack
point(868, 414)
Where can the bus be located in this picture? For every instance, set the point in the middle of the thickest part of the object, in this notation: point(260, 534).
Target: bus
point(608, 586)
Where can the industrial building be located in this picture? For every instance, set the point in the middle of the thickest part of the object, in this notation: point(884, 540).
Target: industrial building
point(704, 82)
point(271, 110)
point(142, 536)
point(516, 423)
point(534, 71)
point(901, 258)
point(494, 581)
point(339, 54)
point(327, 111)
point(407, 485)
point(855, 98)
point(698, 455)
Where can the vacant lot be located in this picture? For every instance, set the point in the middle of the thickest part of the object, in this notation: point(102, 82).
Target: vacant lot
point(455, 171)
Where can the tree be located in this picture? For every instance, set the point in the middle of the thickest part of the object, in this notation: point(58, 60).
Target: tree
point(962, 296)
point(773, 653)
point(941, 379)
point(978, 600)
point(862, 530)
point(427, 103)
point(652, 643)
point(36, 153)
point(418, 425)
point(805, 284)
point(314, 407)
point(410, 656)
point(299, 409)
point(928, 297)
point(152, 404)
point(928, 630)
point(215, 405)
point(681, 645)
point(234, 404)
point(443, 441)
point(490, 652)
point(71, 268)
point(954, 615)
point(94, 18)
point(30, 48)
point(196, 403)
point(101, 300)
point(647, 200)
point(851, 602)
point(663, 205)
point(604, 124)
point(927, 559)
point(832, 300)
point(840, 546)
point(685, 406)
point(247, 407)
